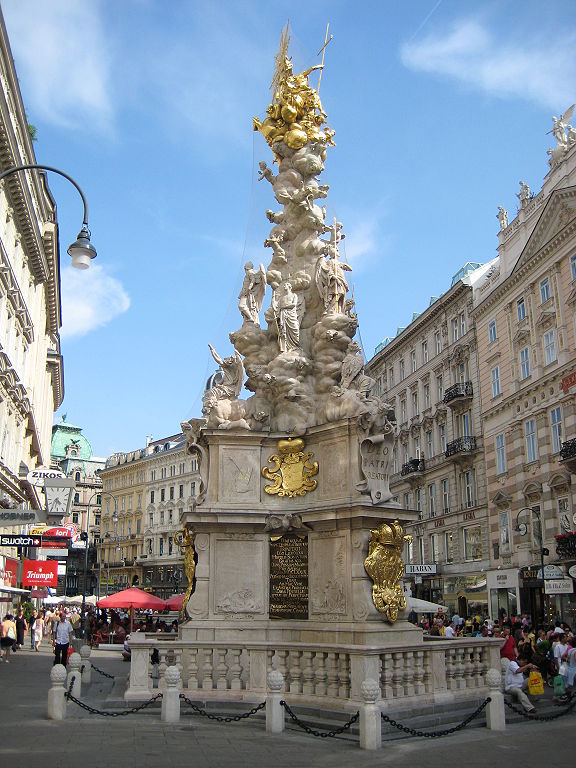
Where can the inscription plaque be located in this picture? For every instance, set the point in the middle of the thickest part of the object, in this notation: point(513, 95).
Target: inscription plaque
point(289, 578)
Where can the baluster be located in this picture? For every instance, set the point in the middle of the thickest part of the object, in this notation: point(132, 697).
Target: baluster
point(467, 668)
point(321, 674)
point(281, 665)
point(295, 672)
point(386, 676)
point(208, 669)
point(221, 670)
point(450, 659)
point(193, 669)
point(419, 686)
point(397, 675)
point(428, 678)
point(332, 675)
point(409, 673)
point(307, 672)
point(344, 675)
point(270, 658)
point(235, 669)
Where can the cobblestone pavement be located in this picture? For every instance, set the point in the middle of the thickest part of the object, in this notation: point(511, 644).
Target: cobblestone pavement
point(29, 740)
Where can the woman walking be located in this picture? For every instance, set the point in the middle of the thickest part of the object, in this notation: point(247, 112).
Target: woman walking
point(38, 631)
point(21, 629)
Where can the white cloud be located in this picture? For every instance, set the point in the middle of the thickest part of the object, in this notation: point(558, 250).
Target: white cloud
point(63, 60)
point(536, 70)
point(90, 299)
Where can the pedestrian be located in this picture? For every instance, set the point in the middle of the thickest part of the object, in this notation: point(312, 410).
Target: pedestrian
point(451, 630)
point(31, 625)
point(21, 630)
point(7, 636)
point(515, 682)
point(508, 647)
point(38, 632)
point(62, 635)
point(570, 659)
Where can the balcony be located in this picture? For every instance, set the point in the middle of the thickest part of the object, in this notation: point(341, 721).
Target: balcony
point(568, 455)
point(566, 546)
point(414, 465)
point(458, 393)
point(461, 448)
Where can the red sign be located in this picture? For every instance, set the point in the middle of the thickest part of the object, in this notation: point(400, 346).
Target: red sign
point(568, 381)
point(40, 573)
point(9, 573)
point(58, 533)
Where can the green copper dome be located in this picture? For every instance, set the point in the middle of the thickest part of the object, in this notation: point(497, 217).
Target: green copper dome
point(69, 442)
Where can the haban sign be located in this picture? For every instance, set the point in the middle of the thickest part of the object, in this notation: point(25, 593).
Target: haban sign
point(40, 573)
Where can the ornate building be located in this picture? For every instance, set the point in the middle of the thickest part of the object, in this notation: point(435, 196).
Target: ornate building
point(524, 313)
point(429, 374)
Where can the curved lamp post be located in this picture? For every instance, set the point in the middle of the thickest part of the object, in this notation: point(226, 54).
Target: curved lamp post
point(81, 251)
point(522, 529)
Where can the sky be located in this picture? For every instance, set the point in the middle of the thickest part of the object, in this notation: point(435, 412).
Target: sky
point(440, 108)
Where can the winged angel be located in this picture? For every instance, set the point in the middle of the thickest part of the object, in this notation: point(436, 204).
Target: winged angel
point(560, 126)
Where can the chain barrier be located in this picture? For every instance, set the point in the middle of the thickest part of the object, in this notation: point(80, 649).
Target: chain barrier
point(532, 716)
point(101, 672)
point(123, 713)
point(437, 734)
point(320, 734)
point(218, 718)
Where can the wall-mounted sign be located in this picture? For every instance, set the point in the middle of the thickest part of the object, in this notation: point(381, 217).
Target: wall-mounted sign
point(20, 540)
point(40, 573)
point(558, 586)
point(420, 568)
point(8, 571)
point(572, 571)
point(37, 476)
point(568, 381)
point(20, 516)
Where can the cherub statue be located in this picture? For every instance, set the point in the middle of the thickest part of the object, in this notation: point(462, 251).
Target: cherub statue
point(274, 242)
point(251, 296)
point(265, 172)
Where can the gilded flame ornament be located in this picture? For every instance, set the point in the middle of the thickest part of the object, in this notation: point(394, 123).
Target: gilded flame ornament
point(291, 469)
point(186, 539)
point(385, 567)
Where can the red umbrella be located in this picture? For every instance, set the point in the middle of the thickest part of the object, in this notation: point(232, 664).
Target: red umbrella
point(132, 598)
point(174, 603)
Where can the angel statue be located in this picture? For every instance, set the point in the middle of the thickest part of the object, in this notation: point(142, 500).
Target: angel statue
point(560, 124)
point(251, 296)
point(186, 540)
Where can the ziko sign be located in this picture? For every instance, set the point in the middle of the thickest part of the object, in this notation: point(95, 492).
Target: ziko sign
point(40, 573)
point(37, 476)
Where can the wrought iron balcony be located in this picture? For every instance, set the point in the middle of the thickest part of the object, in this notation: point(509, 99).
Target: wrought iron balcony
point(566, 546)
point(463, 445)
point(568, 454)
point(414, 465)
point(463, 390)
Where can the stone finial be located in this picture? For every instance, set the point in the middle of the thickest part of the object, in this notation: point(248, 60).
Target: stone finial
point(172, 677)
point(58, 674)
point(75, 661)
point(85, 652)
point(275, 680)
point(493, 679)
point(370, 691)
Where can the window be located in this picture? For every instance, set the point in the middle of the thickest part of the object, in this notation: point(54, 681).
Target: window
point(462, 320)
point(549, 347)
point(180, 491)
point(77, 477)
point(435, 547)
point(75, 517)
point(163, 494)
point(556, 428)
point(151, 497)
point(464, 424)
point(169, 515)
point(500, 454)
point(504, 525)
point(455, 328)
point(468, 488)
point(421, 549)
point(138, 526)
point(432, 500)
point(429, 444)
point(408, 500)
point(449, 546)
point(492, 336)
point(438, 342)
point(440, 387)
point(161, 517)
point(442, 436)
point(530, 440)
point(496, 381)
point(472, 543)
point(151, 519)
point(445, 495)
point(170, 545)
point(564, 518)
point(401, 370)
point(424, 352)
point(520, 309)
point(419, 502)
point(171, 491)
point(524, 363)
point(414, 403)
point(413, 361)
point(76, 498)
point(544, 290)
point(426, 395)
point(573, 266)
point(161, 549)
point(391, 376)
point(403, 414)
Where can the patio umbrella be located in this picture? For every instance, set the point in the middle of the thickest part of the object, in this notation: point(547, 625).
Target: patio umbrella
point(132, 598)
point(174, 603)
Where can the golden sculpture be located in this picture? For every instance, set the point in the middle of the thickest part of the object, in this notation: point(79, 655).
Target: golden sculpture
point(295, 115)
point(186, 541)
point(291, 469)
point(385, 567)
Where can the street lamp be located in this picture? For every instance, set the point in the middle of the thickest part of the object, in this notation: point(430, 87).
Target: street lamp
point(85, 580)
point(81, 251)
point(522, 529)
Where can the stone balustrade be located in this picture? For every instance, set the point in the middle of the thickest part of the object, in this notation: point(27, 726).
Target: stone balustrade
point(330, 675)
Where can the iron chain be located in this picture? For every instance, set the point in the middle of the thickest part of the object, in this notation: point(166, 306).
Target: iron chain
point(531, 716)
point(437, 734)
point(320, 734)
point(123, 713)
point(218, 718)
point(100, 672)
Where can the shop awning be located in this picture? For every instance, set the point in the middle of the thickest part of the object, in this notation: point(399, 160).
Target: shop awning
point(14, 589)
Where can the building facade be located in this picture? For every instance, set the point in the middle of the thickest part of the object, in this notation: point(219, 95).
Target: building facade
point(429, 374)
point(525, 324)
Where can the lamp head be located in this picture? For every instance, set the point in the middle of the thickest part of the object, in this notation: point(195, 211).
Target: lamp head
point(82, 250)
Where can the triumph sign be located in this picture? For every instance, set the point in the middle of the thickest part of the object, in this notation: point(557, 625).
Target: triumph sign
point(40, 573)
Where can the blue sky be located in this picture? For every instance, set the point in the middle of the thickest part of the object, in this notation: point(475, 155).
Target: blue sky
point(439, 108)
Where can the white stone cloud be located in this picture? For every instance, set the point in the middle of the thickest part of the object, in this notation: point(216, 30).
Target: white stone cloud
point(63, 60)
point(90, 300)
point(537, 70)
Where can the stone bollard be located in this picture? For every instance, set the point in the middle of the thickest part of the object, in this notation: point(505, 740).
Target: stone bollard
point(85, 652)
point(75, 662)
point(370, 720)
point(171, 696)
point(274, 712)
point(56, 694)
point(495, 712)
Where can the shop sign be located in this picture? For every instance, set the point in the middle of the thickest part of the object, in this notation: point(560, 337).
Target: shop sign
point(558, 586)
point(420, 568)
point(40, 573)
point(20, 540)
point(572, 571)
point(504, 579)
point(551, 572)
point(568, 381)
point(8, 571)
point(37, 476)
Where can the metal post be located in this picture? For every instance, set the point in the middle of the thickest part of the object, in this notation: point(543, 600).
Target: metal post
point(522, 530)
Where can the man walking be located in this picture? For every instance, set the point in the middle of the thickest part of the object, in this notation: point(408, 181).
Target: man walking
point(62, 634)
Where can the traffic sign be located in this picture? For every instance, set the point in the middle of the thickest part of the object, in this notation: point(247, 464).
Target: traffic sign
point(20, 540)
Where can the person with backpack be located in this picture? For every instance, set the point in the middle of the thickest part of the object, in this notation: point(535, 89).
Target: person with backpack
point(7, 636)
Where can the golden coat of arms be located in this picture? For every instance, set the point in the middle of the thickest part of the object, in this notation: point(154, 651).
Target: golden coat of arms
point(291, 469)
point(385, 567)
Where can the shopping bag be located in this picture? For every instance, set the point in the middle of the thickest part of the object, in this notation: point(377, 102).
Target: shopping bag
point(559, 686)
point(535, 683)
point(70, 652)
